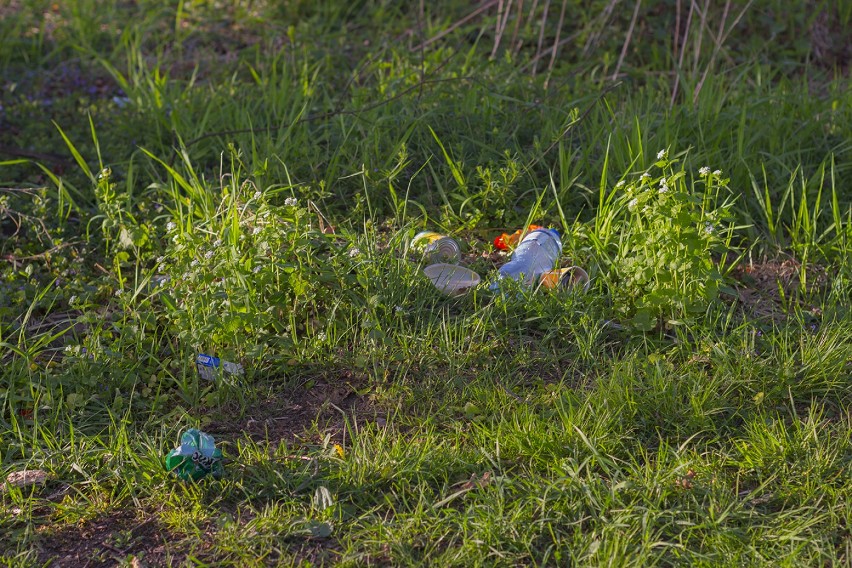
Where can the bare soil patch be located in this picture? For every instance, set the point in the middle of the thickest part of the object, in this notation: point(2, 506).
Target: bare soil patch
point(297, 415)
point(766, 287)
point(106, 541)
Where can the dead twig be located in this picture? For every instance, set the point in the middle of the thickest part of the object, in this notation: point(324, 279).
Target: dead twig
point(483, 8)
point(555, 44)
point(627, 39)
point(29, 154)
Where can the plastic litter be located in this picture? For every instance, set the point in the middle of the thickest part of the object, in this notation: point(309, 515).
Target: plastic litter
point(535, 255)
point(452, 279)
point(196, 457)
point(508, 242)
point(565, 278)
point(209, 366)
point(436, 247)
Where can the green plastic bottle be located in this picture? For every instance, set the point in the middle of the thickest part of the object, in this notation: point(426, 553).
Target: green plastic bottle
point(196, 457)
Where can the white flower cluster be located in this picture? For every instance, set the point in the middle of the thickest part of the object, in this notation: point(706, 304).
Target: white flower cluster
point(662, 154)
point(291, 202)
point(170, 226)
point(664, 186)
point(353, 252)
point(257, 195)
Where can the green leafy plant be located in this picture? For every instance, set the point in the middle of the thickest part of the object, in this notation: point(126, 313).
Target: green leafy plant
point(252, 277)
point(668, 232)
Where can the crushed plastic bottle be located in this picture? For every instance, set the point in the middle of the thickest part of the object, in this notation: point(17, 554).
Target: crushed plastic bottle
point(196, 457)
point(536, 254)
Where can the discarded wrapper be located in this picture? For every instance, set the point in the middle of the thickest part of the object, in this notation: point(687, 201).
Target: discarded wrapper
point(507, 242)
point(566, 278)
point(196, 457)
point(452, 279)
point(208, 367)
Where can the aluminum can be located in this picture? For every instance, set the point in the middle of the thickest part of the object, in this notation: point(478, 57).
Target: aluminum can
point(436, 247)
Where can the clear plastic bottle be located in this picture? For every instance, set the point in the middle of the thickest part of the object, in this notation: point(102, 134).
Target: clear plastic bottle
point(535, 255)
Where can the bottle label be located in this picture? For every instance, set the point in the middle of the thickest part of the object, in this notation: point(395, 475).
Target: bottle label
point(208, 367)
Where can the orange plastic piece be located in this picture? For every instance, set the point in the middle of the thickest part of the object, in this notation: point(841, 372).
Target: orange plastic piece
point(507, 242)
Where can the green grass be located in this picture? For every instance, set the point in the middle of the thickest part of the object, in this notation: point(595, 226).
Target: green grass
point(244, 179)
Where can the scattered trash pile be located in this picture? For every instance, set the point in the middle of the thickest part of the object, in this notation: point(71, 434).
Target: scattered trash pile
point(535, 253)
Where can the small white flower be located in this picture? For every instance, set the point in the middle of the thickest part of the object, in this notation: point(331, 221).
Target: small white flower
point(717, 173)
point(709, 229)
point(398, 309)
point(217, 243)
point(170, 226)
point(620, 183)
point(208, 255)
point(291, 202)
point(161, 259)
point(353, 252)
point(72, 300)
point(175, 239)
point(257, 195)
point(633, 203)
point(662, 154)
point(644, 176)
point(194, 263)
point(256, 231)
point(321, 336)
point(256, 269)
point(705, 171)
point(664, 189)
point(118, 293)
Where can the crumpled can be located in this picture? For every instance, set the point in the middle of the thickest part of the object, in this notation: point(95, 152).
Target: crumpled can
point(196, 457)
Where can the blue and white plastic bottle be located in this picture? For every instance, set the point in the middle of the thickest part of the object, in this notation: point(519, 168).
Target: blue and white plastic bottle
point(535, 255)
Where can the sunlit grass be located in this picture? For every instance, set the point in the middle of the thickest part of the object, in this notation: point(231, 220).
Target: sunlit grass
point(245, 181)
